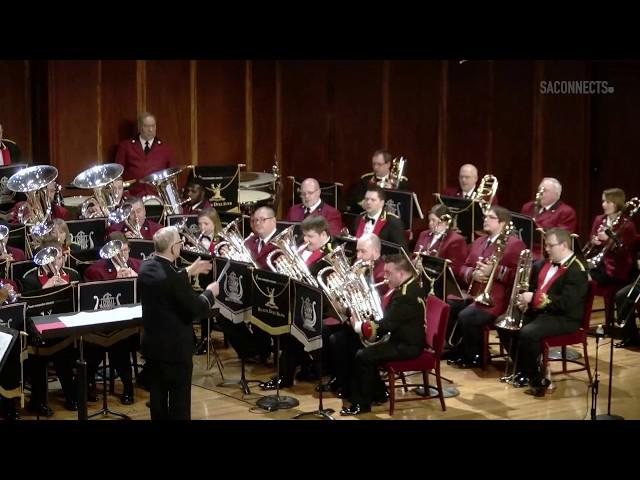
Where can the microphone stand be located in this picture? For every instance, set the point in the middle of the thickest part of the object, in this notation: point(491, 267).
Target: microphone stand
point(596, 380)
point(277, 402)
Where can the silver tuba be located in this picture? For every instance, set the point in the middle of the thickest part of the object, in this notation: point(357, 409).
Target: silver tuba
point(192, 244)
point(106, 197)
point(166, 182)
point(33, 182)
point(46, 257)
point(288, 261)
point(113, 251)
point(232, 239)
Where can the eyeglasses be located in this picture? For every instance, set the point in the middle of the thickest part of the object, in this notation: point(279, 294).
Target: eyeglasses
point(261, 220)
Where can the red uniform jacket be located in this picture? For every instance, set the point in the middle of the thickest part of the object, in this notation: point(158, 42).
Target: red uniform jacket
point(503, 280)
point(18, 255)
point(137, 165)
point(105, 270)
point(198, 207)
point(559, 215)
point(149, 227)
point(332, 215)
point(451, 246)
point(457, 192)
point(618, 262)
point(251, 242)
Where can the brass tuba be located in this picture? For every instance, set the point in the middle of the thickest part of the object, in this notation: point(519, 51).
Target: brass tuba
point(482, 292)
point(288, 261)
point(485, 192)
point(512, 318)
point(236, 249)
point(396, 171)
point(166, 182)
point(106, 196)
point(33, 181)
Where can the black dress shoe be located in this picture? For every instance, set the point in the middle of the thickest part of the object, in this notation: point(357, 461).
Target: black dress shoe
point(126, 399)
point(473, 362)
point(456, 361)
point(355, 409)
point(520, 381)
point(71, 405)
point(330, 386)
point(273, 384)
point(382, 398)
point(41, 409)
point(628, 342)
point(450, 355)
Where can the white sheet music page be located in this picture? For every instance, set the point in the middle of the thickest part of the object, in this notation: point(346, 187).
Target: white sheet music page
point(5, 341)
point(103, 316)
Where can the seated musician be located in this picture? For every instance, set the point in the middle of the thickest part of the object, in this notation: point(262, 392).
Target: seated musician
point(469, 315)
point(312, 204)
point(120, 196)
point(210, 226)
point(404, 319)
point(553, 306)
point(263, 226)
point(197, 197)
point(104, 269)
point(617, 263)
point(375, 219)
point(137, 220)
point(630, 335)
point(441, 241)
point(344, 342)
point(38, 279)
point(549, 211)
point(467, 184)
point(10, 373)
point(57, 211)
point(381, 164)
point(315, 230)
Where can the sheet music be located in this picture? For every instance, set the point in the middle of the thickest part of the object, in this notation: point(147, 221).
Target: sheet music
point(5, 341)
point(102, 316)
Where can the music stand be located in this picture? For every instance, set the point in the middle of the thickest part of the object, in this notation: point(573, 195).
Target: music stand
point(277, 402)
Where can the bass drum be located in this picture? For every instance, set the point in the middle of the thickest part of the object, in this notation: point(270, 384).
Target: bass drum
point(248, 198)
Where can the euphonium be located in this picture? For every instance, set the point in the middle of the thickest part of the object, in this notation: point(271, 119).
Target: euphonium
point(192, 244)
point(485, 192)
point(113, 251)
point(106, 196)
point(46, 257)
point(484, 296)
point(289, 261)
point(512, 318)
point(166, 182)
point(232, 239)
point(134, 226)
point(33, 182)
point(396, 171)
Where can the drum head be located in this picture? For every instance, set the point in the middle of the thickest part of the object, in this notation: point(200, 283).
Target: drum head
point(251, 196)
point(251, 180)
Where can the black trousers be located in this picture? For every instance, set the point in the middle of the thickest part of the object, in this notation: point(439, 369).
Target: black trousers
point(170, 389)
point(453, 337)
point(366, 383)
point(64, 361)
point(119, 357)
point(344, 343)
point(529, 340)
point(470, 322)
point(246, 342)
point(630, 329)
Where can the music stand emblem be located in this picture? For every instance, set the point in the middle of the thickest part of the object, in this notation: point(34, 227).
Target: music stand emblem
point(233, 288)
point(85, 241)
point(215, 189)
point(308, 313)
point(107, 302)
point(272, 298)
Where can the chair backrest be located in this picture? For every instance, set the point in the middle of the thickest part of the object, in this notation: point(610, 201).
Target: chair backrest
point(437, 315)
point(588, 305)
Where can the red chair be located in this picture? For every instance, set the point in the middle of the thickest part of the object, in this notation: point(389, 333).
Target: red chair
point(571, 339)
point(437, 314)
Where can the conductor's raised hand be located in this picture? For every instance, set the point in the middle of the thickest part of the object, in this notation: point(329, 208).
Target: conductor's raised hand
point(199, 266)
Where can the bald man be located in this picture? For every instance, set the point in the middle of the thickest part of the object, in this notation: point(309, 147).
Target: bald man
point(468, 181)
point(313, 205)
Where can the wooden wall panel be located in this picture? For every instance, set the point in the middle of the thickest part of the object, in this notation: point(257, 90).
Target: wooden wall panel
point(118, 105)
point(73, 116)
point(15, 103)
point(168, 98)
point(221, 112)
point(264, 114)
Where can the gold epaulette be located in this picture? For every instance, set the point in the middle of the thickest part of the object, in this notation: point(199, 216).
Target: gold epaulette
point(393, 215)
point(404, 287)
point(368, 174)
point(10, 141)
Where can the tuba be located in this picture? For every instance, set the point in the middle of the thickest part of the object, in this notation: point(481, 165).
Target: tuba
point(512, 318)
point(106, 196)
point(482, 292)
point(236, 249)
point(45, 259)
point(166, 182)
point(593, 253)
point(192, 244)
point(485, 192)
point(288, 261)
point(113, 251)
point(33, 181)
point(396, 171)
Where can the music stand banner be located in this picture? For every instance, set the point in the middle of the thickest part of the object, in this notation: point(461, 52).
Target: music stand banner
point(17, 234)
point(13, 315)
point(270, 302)
point(9, 198)
point(141, 249)
point(220, 183)
point(467, 215)
point(105, 295)
point(306, 326)
point(88, 234)
point(47, 302)
point(523, 228)
point(400, 203)
point(234, 299)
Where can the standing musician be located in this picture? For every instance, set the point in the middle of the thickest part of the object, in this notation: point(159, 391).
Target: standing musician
point(381, 165)
point(549, 211)
point(144, 155)
point(553, 306)
point(9, 150)
point(375, 219)
point(104, 269)
point(137, 219)
point(471, 315)
point(441, 241)
point(197, 198)
point(315, 230)
point(404, 319)
point(312, 204)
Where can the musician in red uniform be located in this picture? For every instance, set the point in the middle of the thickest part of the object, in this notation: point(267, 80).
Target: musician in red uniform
point(550, 212)
point(472, 316)
point(9, 150)
point(441, 241)
point(57, 211)
point(263, 224)
point(468, 180)
point(144, 155)
point(197, 199)
point(313, 205)
point(375, 219)
point(210, 226)
point(137, 218)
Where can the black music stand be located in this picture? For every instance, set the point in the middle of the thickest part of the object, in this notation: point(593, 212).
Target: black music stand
point(104, 411)
point(271, 403)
